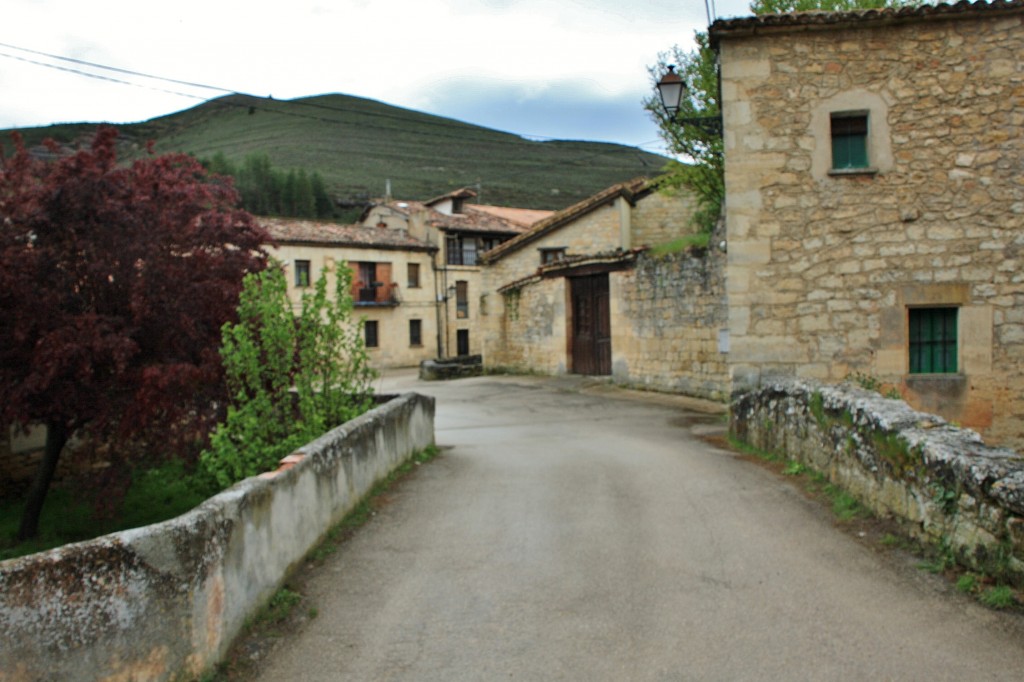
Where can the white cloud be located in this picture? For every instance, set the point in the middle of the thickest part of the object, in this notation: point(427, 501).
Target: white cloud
point(408, 54)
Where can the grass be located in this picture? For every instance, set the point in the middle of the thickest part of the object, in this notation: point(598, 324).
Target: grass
point(278, 608)
point(999, 597)
point(691, 241)
point(794, 468)
point(358, 144)
point(154, 495)
point(844, 505)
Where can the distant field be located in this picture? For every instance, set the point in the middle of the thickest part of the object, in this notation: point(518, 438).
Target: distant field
point(357, 145)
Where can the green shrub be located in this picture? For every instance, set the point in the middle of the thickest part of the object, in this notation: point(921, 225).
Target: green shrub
point(291, 376)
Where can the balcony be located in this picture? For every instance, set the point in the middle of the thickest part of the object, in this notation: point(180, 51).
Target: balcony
point(376, 294)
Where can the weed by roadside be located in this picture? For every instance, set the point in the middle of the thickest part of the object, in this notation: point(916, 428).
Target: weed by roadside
point(992, 585)
point(288, 610)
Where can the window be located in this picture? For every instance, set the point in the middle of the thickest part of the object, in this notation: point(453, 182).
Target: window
point(548, 256)
point(415, 332)
point(462, 341)
point(413, 279)
point(849, 140)
point(933, 340)
point(370, 334)
point(302, 273)
point(461, 250)
point(462, 299)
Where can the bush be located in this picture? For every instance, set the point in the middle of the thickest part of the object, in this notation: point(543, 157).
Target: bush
point(291, 377)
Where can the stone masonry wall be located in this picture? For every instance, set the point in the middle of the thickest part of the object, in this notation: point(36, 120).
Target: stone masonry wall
point(665, 317)
point(942, 482)
point(661, 217)
point(532, 334)
point(670, 311)
point(824, 266)
point(164, 602)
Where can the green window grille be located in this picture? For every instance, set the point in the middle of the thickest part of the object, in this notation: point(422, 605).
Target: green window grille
point(933, 344)
point(849, 141)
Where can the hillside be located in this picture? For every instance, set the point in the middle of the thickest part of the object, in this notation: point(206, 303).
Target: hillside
point(358, 144)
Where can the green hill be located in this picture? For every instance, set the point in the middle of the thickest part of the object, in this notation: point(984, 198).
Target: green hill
point(358, 144)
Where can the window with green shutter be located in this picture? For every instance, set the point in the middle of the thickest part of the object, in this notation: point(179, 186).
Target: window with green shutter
point(933, 342)
point(849, 140)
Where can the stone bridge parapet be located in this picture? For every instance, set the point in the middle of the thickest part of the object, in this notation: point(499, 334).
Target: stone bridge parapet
point(940, 481)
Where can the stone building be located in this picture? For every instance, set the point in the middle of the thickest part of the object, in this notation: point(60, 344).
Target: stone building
point(392, 282)
point(461, 232)
point(582, 293)
point(874, 167)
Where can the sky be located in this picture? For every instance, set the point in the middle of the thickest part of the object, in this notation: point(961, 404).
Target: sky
point(558, 69)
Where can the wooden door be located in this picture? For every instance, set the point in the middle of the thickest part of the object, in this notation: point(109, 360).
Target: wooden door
point(591, 325)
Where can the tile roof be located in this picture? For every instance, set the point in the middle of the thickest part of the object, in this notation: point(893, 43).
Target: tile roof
point(746, 26)
point(472, 219)
point(520, 216)
point(294, 231)
point(630, 190)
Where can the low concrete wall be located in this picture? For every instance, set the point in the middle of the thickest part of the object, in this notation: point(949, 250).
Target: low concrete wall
point(164, 602)
point(943, 482)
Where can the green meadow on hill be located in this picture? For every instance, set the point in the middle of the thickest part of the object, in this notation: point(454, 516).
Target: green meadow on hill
point(358, 145)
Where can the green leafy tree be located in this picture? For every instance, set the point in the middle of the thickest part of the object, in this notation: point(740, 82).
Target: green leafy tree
point(321, 200)
point(304, 205)
point(267, 191)
point(291, 375)
point(700, 168)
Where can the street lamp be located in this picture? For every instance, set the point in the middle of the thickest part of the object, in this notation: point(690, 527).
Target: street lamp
point(671, 88)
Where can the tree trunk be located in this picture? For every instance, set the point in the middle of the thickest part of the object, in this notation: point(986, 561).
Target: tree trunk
point(56, 437)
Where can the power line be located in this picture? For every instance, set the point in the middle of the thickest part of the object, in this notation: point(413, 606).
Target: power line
point(97, 76)
point(129, 72)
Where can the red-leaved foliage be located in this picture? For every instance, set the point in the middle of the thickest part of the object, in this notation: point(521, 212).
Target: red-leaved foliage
point(114, 284)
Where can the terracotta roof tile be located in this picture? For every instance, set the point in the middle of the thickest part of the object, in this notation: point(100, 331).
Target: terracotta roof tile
point(629, 190)
point(293, 231)
point(520, 216)
point(461, 193)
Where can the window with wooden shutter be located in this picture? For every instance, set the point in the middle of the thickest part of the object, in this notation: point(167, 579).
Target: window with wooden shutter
point(382, 283)
point(849, 140)
point(933, 340)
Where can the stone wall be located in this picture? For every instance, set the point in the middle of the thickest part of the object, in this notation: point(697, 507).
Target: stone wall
point(164, 602)
point(528, 331)
point(666, 312)
point(824, 265)
point(671, 311)
point(942, 482)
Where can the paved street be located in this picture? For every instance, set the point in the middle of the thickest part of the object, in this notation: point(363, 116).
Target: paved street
point(593, 535)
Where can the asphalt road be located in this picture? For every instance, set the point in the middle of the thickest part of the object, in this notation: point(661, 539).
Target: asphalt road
point(568, 535)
